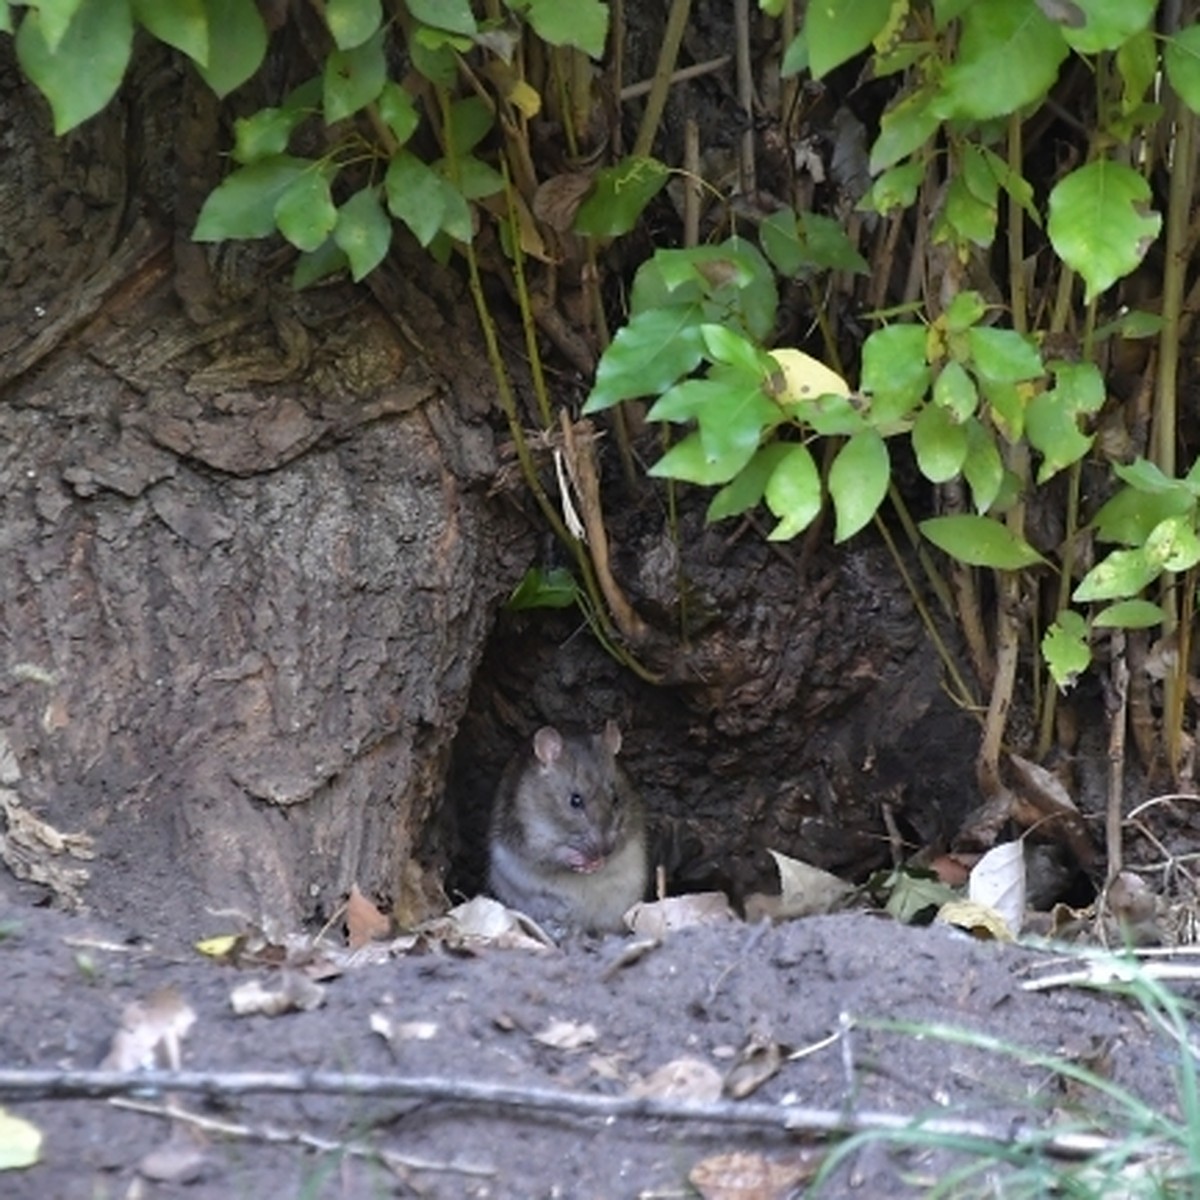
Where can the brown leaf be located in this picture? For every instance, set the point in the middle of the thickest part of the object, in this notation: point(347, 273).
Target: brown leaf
point(681, 1079)
point(742, 1176)
point(364, 922)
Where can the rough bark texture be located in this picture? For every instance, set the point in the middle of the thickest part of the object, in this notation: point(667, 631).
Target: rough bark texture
point(250, 565)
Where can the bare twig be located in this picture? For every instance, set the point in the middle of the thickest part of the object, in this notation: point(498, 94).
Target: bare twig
point(37, 1083)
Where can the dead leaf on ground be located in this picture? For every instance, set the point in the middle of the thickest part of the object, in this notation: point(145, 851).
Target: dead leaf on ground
point(681, 1079)
point(567, 1035)
point(402, 1031)
point(295, 993)
point(976, 919)
point(998, 882)
point(486, 922)
point(364, 922)
point(660, 917)
point(151, 1033)
point(758, 1060)
point(177, 1160)
point(20, 1142)
point(805, 890)
point(742, 1176)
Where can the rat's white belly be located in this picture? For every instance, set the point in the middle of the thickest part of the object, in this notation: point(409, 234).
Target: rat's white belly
point(595, 902)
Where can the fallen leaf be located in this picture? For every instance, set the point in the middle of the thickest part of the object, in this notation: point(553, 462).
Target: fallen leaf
point(976, 919)
point(660, 917)
point(151, 1033)
point(567, 1035)
point(20, 1142)
point(998, 882)
point(743, 1176)
point(220, 946)
point(402, 1031)
point(177, 1160)
point(758, 1061)
point(364, 922)
point(806, 890)
point(484, 921)
point(296, 993)
point(681, 1079)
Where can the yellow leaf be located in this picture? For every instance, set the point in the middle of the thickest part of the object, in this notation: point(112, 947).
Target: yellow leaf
point(20, 1142)
point(525, 98)
point(218, 947)
point(806, 378)
point(977, 919)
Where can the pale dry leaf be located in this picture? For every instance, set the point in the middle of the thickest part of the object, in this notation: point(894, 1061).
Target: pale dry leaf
point(567, 1035)
point(806, 890)
point(557, 200)
point(364, 922)
point(296, 993)
point(402, 1031)
point(20, 1142)
point(660, 917)
point(998, 882)
point(745, 1176)
point(488, 922)
point(177, 1160)
point(681, 1079)
point(151, 1033)
point(758, 1061)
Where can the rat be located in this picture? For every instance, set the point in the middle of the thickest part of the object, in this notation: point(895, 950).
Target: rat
point(567, 843)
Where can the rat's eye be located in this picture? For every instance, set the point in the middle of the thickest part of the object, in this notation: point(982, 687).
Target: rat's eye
point(575, 800)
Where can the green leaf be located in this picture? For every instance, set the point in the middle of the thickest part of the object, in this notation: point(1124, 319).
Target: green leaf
point(793, 492)
point(779, 235)
point(55, 16)
point(689, 461)
point(837, 30)
point(1099, 225)
point(1018, 189)
point(1130, 515)
point(352, 22)
point(826, 245)
point(304, 212)
point(264, 134)
point(455, 16)
point(353, 78)
point(82, 73)
point(363, 232)
point(894, 366)
point(1006, 405)
point(1130, 614)
point(619, 196)
point(735, 423)
point(649, 354)
point(327, 259)
point(905, 127)
point(1065, 648)
point(940, 444)
point(1051, 429)
point(1003, 355)
point(983, 466)
point(543, 587)
point(858, 482)
point(746, 488)
point(795, 57)
point(180, 23)
point(965, 310)
point(1008, 56)
point(687, 400)
point(1123, 573)
point(237, 43)
point(1146, 476)
point(1108, 23)
point(954, 390)
point(1132, 324)
point(581, 23)
point(243, 204)
point(980, 542)
point(969, 218)
point(1080, 386)
point(1182, 60)
point(896, 188)
point(1137, 62)
point(725, 345)
point(436, 62)
point(424, 201)
point(1173, 544)
point(398, 111)
point(470, 122)
point(476, 179)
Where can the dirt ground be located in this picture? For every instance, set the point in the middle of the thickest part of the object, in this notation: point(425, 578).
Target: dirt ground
point(723, 995)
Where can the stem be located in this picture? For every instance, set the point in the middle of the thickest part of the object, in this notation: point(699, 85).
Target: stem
point(657, 100)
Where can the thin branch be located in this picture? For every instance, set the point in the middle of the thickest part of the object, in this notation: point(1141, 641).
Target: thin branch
point(37, 1083)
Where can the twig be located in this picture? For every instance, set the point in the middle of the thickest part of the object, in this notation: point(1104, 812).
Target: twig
point(1118, 719)
point(642, 88)
point(291, 1137)
point(38, 1083)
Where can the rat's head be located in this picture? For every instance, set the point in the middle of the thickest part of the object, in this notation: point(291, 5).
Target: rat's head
point(574, 803)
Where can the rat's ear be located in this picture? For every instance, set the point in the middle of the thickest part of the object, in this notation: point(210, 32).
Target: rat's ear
point(547, 745)
point(611, 737)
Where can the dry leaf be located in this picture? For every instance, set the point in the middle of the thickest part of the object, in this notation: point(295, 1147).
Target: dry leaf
point(656, 919)
point(296, 993)
point(681, 1079)
point(567, 1035)
point(151, 1032)
point(487, 921)
point(741, 1176)
point(977, 920)
point(758, 1061)
point(20, 1142)
point(806, 890)
point(179, 1159)
point(364, 922)
point(998, 882)
point(402, 1031)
